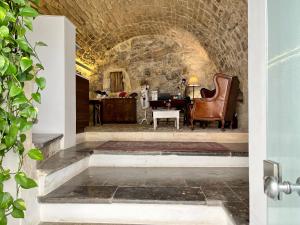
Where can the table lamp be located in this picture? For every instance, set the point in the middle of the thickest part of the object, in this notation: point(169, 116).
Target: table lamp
point(194, 82)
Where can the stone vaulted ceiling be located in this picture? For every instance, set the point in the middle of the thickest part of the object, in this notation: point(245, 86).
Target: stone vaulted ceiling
point(219, 25)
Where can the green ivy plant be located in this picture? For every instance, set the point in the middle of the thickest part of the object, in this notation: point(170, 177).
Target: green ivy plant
point(18, 111)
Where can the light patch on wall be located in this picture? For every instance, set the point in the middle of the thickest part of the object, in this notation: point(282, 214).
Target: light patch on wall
point(194, 56)
point(84, 69)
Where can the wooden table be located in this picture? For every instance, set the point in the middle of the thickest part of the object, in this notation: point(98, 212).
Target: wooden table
point(179, 104)
point(166, 114)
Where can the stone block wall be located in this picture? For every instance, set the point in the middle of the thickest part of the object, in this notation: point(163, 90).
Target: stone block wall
point(160, 60)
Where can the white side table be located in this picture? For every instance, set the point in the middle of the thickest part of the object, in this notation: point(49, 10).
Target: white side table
point(166, 114)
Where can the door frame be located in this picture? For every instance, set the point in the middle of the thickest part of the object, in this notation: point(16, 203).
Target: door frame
point(257, 93)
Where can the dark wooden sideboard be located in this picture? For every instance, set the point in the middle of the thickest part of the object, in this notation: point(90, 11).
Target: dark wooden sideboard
point(82, 103)
point(118, 110)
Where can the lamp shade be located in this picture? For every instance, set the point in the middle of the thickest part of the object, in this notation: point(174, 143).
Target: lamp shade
point(193, 81)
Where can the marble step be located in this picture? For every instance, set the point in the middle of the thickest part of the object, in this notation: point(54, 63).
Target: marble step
point(63, 166)
point(68, 163)
point(48, 143)
point(180, 196)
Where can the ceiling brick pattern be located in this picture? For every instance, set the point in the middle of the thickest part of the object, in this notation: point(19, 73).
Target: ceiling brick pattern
point(220, 25)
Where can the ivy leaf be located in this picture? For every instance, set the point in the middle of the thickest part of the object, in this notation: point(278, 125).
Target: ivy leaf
point(21, 31)
point(41, 82)
point(3, 124)
point(9, 141)
point(36, 97)
point(6, 200)
point(22, 138)
point(3, 221)
point(40, 66)
point(40, 43)
point(29, 112)
point(20, 99)
point(2, 147)
point(25, 125)
point(15, 90)
point(5, 67)
point(4, 175)
point(25, 63)
point(20, 149)
point(13, 131)
point(17, 213)
point(24, 181)
point(4, 31)
point(29, 12)
point(2, 214)
point(23, 44)
point(6, 50)
point(36, 154)
point(20, 204)
point(2, 61)
point(28, 22)
point(5, 5)
point(2, 13)
point(11, 70)
point(10, 17)
point(20, 2)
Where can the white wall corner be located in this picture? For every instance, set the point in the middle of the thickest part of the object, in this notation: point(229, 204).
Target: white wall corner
point(257, 76)
point(57, 113)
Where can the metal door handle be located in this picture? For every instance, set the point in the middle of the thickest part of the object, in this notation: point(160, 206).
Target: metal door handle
point(273, 187)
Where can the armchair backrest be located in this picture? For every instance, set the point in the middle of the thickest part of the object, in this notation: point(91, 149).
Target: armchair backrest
point(226, 93)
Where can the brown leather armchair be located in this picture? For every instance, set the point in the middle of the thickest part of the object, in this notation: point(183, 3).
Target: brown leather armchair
point(221, 106)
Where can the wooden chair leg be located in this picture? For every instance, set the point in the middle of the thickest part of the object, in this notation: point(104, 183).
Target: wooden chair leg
point(192, 124)
point(223, 125)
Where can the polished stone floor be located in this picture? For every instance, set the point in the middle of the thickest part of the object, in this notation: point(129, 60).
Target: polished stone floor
point(228, 186)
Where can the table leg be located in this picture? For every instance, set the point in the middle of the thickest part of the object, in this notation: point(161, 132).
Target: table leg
point(177, 123)
point(155, 123)
point(94, 114)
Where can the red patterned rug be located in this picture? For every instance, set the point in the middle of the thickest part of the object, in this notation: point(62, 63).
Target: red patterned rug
point(163, 146)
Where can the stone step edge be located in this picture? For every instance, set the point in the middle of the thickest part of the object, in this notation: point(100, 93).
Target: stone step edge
point(224, 137)
point(119, 213)
point(48, 182)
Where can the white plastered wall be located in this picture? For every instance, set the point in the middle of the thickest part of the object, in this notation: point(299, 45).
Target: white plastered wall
point(57, 113)
point(257, 12)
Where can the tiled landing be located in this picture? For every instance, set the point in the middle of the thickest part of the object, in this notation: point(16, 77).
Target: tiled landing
point(227, 186)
